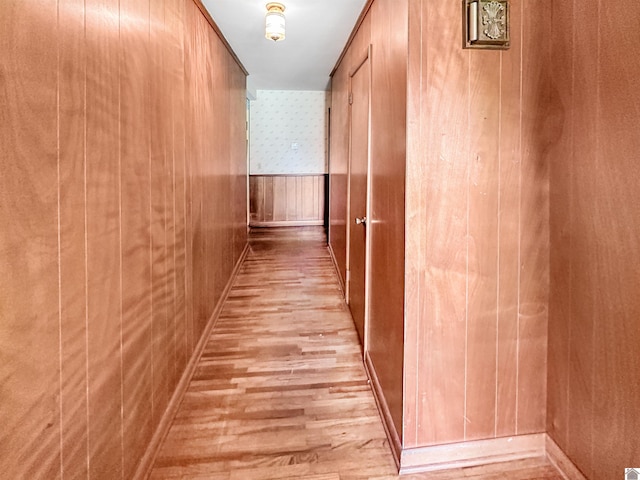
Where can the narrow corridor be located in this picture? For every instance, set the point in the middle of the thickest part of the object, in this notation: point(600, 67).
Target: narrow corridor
point(280, 390)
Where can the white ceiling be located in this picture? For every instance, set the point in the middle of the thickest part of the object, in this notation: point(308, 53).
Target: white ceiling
point(316, 32)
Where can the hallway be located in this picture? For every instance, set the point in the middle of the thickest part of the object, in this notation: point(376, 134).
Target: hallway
point(280, 390)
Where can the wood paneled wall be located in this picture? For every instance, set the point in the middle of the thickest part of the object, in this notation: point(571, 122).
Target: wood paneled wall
point(387, 177)
point(339, 167)
point(477, 229)
point(384, 28)
point(594, 329)
point(123, 217)
point(471, 242)
point(286, 200)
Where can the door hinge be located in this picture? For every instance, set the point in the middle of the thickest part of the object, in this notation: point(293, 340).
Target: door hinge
point(351, 99)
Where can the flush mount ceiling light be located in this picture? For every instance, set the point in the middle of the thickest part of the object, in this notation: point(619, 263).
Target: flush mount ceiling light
point(274, 22)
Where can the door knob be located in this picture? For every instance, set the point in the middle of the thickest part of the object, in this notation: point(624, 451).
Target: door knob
point(361, 221)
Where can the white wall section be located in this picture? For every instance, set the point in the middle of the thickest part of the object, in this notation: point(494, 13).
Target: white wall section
point(288, 132)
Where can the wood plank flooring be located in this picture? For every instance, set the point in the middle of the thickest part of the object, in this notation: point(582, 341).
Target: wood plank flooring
point(280, 391)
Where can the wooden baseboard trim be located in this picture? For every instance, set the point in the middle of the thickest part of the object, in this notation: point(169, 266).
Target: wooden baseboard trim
point(295, 223)
point(335, 265)
point(474, 453)
point(383, 409)
point(559, 459)
point(148, 459)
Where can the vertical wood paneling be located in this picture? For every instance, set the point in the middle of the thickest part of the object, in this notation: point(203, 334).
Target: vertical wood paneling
point(584, 283)
point(159, 251)
point(291, 199)
point(534, 224)
point(477, 285)
point(509, 233)
point(197, 114)
point(269, 199)
point(339, 165)
point(617, 308)
point(135, 221)
point(239, 169)
point(73, 374)
point(98, 182)
point(175, 28)
point(561, 240)
point(103, 240)
point(220, 158)
point(191, 103)
point(279, 193)
point(29, 288)
point(339, 148)
point(441, 392)
point(413, 203)
point(170, 60)
point(483, 244)
point(386, 225)
point(593, 391)
point(281, 200)
point(309, 199)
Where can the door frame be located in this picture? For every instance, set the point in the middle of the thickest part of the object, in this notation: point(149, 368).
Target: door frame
point(350, 221)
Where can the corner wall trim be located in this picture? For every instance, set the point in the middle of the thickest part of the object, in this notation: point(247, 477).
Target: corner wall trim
point(385, 414)
point(561, 461)
point(148, 459)
point(468, 454)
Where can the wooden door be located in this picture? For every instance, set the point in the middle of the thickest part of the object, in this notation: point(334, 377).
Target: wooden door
point(358, 192)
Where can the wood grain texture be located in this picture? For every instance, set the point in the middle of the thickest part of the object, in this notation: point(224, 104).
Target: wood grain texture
point(593, 391)
point(386, 226)
point(475, 240)
point(71, 186)
point(102, 192)
point(280, 390)
point(483, 244)
point(339, 145)
point(136, 235)
point(471, 453)
point(533, 468)
point(413, 297)
point(584, 284)
point(444, 251)
point(286, 200)
point(97, 188)
point(477, 278)
point(358, 268)
point(29, 284)
point(560, 227)
point(239, 170)
point(538, 124)
point(381, 28)
point(509, 227)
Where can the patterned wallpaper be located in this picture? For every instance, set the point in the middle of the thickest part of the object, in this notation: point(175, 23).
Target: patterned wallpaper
point(288, 132)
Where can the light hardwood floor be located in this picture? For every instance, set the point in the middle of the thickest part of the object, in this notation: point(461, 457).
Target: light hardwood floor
point(280, 391)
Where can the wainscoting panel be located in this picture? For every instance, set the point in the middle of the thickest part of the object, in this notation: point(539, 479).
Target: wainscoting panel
point(286, 200)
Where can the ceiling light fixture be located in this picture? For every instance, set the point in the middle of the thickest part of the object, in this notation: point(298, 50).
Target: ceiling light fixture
point(274, 22)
